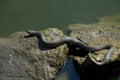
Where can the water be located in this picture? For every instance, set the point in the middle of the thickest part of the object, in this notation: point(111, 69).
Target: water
point(17, 15)
point(67, 72)
point(21, 15)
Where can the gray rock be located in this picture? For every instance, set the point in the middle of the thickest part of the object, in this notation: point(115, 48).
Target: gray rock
point(22, 59)
point(96, 34)
point(26, 59)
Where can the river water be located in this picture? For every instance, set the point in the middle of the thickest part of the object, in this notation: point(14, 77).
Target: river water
point(21, 15)
point(68, 72)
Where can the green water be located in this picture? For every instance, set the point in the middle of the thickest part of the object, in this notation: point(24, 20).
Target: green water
point(21, 15)
point(17, 15)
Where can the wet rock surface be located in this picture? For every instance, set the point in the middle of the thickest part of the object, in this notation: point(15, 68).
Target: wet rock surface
point(22, 59)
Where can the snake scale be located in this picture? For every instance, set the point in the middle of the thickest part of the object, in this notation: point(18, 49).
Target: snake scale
point(77, 42)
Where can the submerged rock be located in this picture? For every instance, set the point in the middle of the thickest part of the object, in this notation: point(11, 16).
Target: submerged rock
point(23, 58)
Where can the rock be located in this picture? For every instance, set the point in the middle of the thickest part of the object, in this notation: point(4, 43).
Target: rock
point(96, 34)
point(22, 59)
point(26, 59)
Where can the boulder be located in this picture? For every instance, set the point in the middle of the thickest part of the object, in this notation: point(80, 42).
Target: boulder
point(96, 34)
point(23, 58)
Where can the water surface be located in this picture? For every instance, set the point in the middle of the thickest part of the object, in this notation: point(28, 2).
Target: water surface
point(21, 15)
point(68, 72)
point(17, 15)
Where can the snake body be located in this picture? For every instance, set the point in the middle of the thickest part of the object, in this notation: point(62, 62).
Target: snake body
point(77, 42)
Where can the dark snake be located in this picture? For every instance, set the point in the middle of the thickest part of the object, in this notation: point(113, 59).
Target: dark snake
point(77, 42)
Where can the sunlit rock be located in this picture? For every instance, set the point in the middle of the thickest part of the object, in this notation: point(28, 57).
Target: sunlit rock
point(22, 59)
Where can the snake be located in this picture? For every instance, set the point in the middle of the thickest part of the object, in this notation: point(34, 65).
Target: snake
point(69, 40)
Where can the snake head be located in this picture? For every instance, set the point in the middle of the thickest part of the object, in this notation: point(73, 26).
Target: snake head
point(31, 33)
